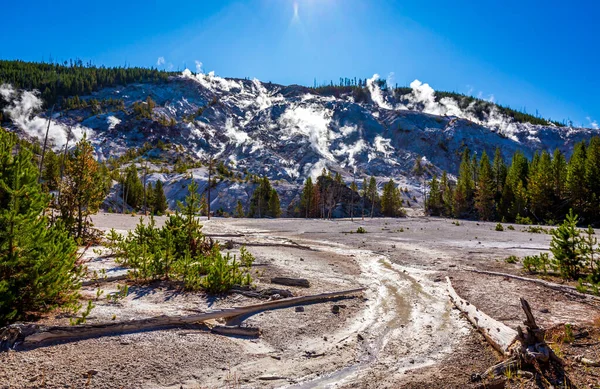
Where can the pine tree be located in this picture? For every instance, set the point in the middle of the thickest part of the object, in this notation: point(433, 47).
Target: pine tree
point(576, 185)
point(203, 206)
point(499, 174)
point(274, 205)
point(514, 194)
point(81, 188)
point(484, 198)
point(559, 177)
point(134, 190)
point(391, 203)
point(159, 200)
point(592, 180)
point(307, 198)
point(265, 200)
point(447, 195)
point(239, 210)
point(435, 202)
point(37, 264)
point(540, 187)
point(463, 194)
point(566, 247)
point(51, 170)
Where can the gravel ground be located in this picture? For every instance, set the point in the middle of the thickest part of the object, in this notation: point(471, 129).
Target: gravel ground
point(402, 332)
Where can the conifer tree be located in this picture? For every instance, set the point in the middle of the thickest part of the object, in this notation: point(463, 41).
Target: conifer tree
point(559, 177)
point(514, 195)
point(274, 204)
point(576, 185)
point(81, 189)
point(51, 171)
point(566, 247)
point(159, 200)
point(203, 205)
point(134, 190)
point(592, 180)
point(391, 203)
point(265, 200)
point(435, 202)
point(37, 261)
point(499, 173)
point(540, 187)
point(239, 210)
point(463, 194)
point(447, 195)
point(484, 198)
point(307, 198)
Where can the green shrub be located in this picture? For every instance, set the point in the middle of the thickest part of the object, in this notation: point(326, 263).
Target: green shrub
point(499, 227)
point(180, 251)
point(537, 263)
point(511, 259)
point(523, 220)
point(361, 230)
point(510, 227)
point(534, 229)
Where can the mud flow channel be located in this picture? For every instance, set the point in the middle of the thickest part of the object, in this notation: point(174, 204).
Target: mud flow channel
point(407, 322)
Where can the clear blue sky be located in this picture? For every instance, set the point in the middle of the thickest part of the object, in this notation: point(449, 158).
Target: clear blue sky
point(535, 54)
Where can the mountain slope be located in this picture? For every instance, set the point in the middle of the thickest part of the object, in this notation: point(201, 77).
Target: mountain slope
point(286, 132)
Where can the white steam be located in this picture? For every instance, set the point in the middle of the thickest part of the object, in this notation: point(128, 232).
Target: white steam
point(22, 109)
point(311, 121)
point(160, 61)
point(592, 123)
point(198, 66)
point(422, 98)
point(212, 82)
point(376, 93)
point(237, 136)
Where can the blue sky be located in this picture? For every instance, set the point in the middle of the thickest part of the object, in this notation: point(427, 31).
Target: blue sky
point(540, 55)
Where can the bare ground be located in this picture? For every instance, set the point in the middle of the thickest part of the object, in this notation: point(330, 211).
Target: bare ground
point(402, 332)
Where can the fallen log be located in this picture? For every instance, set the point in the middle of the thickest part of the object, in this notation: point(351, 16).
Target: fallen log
point(262, 294)
point(104, 280)
point(521, 347)
point(250, 332)
point(499, 335)
point(588, 362)
point(27, 336)
point(551, 285)
point(301, 282)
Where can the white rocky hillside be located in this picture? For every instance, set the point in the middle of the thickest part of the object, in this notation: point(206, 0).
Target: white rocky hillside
point(285, 132)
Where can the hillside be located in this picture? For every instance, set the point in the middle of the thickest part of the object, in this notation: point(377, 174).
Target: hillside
point(287, 133)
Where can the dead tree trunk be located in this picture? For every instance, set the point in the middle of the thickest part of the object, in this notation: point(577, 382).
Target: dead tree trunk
point(31, 335)
point(521, 347)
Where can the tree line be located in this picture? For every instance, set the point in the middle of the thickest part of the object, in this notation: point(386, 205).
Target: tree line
point(56, 81)
point(321, 198)
point(540, 190)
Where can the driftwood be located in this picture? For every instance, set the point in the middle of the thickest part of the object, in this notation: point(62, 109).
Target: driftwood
point(250, 332)
point(302, 282)
point(499, 335)
point(521, 347)
point(31, 335)
point(104, 280)
point(260, 244)
point(585, 361)
point(264, 293)
point(551, 285)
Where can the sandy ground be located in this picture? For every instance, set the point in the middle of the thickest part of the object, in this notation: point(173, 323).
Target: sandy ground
point(401, 332)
